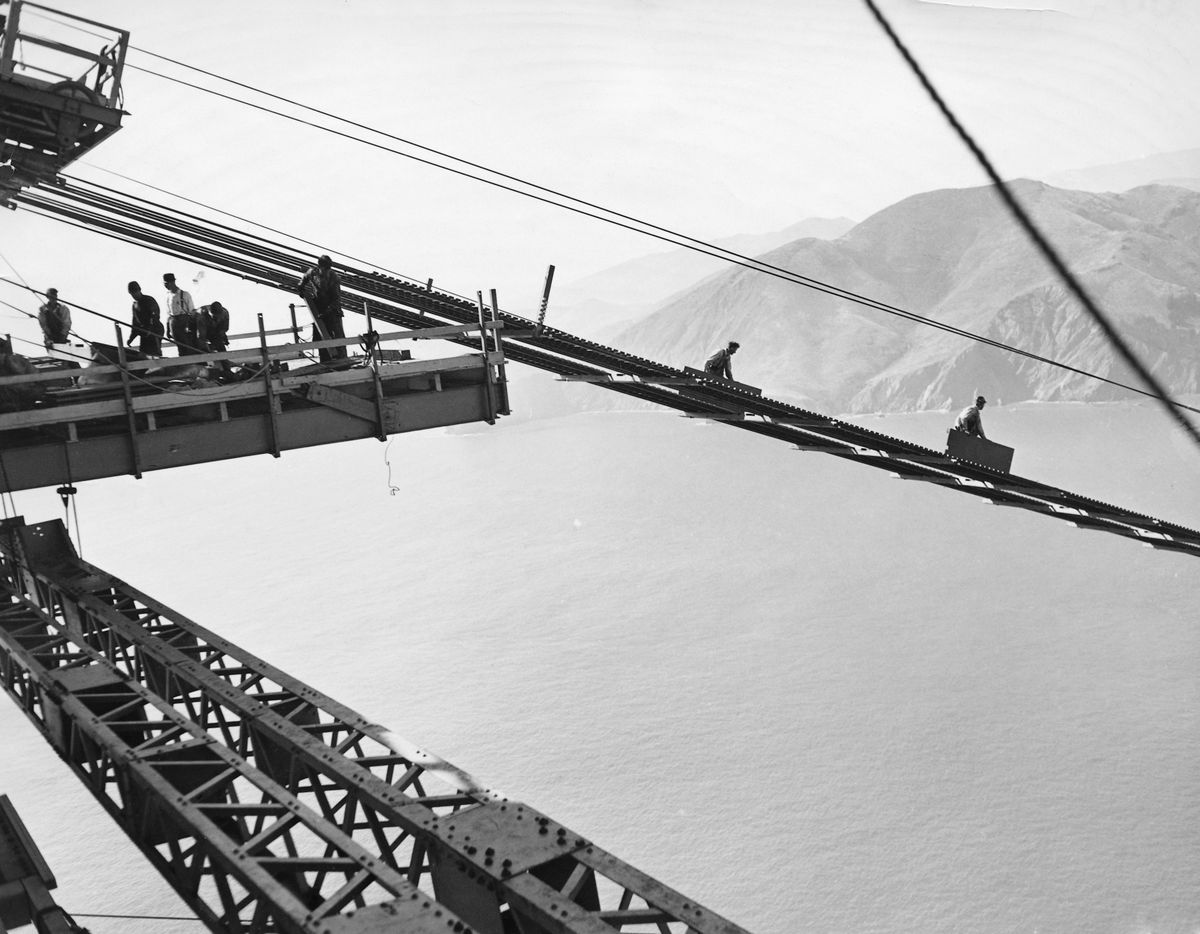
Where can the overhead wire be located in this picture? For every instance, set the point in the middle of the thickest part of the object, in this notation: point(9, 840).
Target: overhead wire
point(754, 265)
point(666, 234)
point(1049, 253)
point(72, 304)
point(646, 228)
point(776, 272)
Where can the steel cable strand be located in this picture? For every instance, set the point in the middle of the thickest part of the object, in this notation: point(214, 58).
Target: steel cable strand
point(694, 243)
point(1173, 408)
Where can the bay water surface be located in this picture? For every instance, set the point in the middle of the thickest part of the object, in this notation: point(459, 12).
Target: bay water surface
point(810, 696)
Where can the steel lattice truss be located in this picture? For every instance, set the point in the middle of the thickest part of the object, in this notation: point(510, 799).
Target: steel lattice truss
point(412, 304)
point(271, 807)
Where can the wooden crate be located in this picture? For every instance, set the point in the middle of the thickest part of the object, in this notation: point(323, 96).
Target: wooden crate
point(964, 447)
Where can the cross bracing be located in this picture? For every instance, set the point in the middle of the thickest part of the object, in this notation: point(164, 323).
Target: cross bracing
point(269, 805)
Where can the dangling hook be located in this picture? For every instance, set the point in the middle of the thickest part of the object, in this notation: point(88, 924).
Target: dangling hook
point(65, 493)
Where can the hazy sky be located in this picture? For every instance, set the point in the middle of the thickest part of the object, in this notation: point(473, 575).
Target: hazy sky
point(707, 117)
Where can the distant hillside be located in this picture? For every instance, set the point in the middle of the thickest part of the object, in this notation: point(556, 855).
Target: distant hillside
point(1181, 169)
point(622, 293)
point(956, 256)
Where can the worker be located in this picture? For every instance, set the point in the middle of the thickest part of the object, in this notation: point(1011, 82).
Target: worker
point(720, 363)
point(321, 288)
point(183, 323)
point(55, 319)
point(146, 324)
point(970, 421)
point(214, 329)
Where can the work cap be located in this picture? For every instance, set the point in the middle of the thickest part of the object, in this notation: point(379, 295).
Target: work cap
point(324, 261)
point(979, 400)
point(134, 287)
point(168, 277)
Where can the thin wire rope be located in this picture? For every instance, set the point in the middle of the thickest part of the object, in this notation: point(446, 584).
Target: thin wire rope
point(24, 283)
point(754, 265)
point(15, 270)
point(666, 234)
point(238, 217)
point(73, 304)
point(1174, 409)
point(25, 340)
point(692, 243)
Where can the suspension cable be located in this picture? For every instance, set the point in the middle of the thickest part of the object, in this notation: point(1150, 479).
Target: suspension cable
point(671, 236)
point(1035, 235)
point(755, 265)
point(679, 239)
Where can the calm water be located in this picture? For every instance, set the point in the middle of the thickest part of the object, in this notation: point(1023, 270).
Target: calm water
point(812, 697)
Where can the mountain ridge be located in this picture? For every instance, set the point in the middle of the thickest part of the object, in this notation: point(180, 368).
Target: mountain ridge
point(954, 255)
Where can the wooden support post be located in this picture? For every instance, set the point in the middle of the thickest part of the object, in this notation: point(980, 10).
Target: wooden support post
point(295, 325)
point(129, 416)
point(373, 352)
point(488, 376)
point(498, 346)
point(272, 421)
point(541, 318)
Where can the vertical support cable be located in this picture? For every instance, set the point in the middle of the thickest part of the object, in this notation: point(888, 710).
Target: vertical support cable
point(498, 346)
point(488, 376)
point(131, 420)
point(272, 421)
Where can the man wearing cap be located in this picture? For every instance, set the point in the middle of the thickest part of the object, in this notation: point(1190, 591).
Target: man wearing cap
point(970, 421)
point(182, 321)
point(721, 363)
point(146, 323)
point(321, 288)
point(55, 319)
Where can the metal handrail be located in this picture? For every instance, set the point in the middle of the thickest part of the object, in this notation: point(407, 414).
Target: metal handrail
point(277, 352)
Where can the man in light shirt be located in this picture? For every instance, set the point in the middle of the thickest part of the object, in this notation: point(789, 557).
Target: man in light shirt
point(182, 320)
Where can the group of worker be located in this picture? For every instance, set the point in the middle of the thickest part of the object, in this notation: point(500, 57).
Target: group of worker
point(969, 420)
point(193, 330)
point(205, 329)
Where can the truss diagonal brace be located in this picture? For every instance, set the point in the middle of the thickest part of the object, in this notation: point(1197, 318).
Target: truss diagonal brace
point(342, 402)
